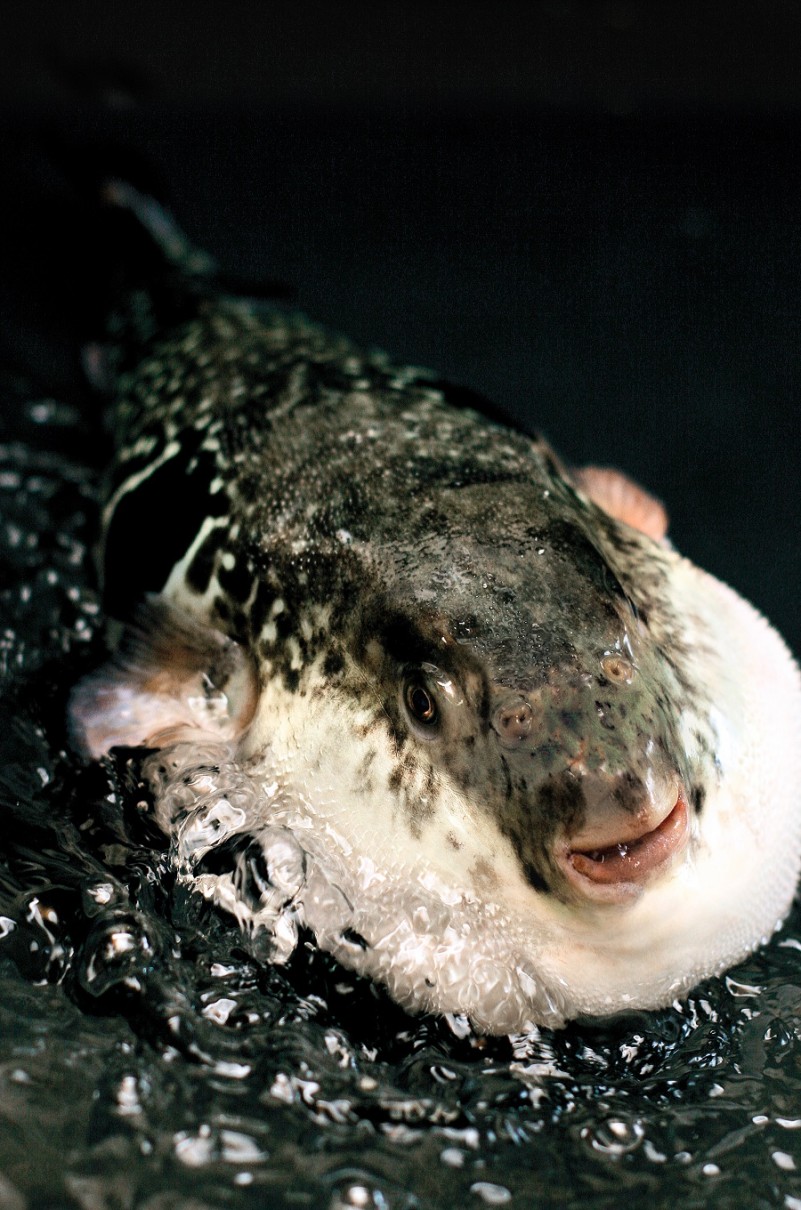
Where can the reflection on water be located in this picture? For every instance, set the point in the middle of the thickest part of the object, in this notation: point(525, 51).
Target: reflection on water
point(150, 1056)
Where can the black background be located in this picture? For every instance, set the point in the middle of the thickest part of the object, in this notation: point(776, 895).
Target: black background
point(588, 211)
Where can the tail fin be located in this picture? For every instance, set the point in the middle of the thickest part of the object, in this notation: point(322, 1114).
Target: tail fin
point(159, 278)
point(108, 265)
point(157, 222)
point(155, 278)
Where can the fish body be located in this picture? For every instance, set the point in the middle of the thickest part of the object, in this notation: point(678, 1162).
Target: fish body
point(414, 685)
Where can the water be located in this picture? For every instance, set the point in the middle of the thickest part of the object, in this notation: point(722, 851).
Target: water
point(151, 1057)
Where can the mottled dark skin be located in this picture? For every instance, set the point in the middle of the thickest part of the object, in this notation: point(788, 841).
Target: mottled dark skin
point(434, 539)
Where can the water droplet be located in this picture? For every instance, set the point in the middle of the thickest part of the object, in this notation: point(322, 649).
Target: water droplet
point(219, 1010)
point(490, 1194)
point(358, 1195)
point(615, 1136)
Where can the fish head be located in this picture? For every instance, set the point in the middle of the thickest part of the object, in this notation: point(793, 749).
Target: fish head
point(537, 673)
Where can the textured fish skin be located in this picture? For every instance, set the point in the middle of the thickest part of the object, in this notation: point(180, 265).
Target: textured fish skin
point(358, 542)
point(337, 481)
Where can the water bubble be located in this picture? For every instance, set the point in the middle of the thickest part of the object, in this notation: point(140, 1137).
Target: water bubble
point(116, 951)
point(128, 1103)
point(221, 971)
point(239, 1148)
point(356, 1197)
point(232, 1071)
point(285, 860)
point(219, 1010)
point(210, 824)
point(97, 895)
point(615, 1136)
point(203, 1146)
point(326, 909)
point(194, 1150)
point(490, 1194)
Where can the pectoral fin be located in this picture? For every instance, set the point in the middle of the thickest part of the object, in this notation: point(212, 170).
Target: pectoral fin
point(171, 678)
point(623, 499)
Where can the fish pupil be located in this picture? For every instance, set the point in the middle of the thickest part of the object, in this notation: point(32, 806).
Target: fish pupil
point(421, 704)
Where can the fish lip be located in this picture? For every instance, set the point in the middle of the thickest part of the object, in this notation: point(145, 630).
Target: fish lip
point(620, 871)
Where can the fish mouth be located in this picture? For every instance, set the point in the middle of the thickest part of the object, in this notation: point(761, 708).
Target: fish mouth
point(618, 872)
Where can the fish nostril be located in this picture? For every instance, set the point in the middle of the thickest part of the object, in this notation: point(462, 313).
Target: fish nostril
point(513, 721)
point(617, 668)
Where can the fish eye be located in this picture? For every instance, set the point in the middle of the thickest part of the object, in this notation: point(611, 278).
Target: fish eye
point(421, 704)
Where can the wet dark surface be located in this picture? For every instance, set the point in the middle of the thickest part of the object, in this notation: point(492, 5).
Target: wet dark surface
point(632, 290)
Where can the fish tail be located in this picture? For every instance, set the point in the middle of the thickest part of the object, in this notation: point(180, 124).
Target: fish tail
point(158, 279)
point(156, 223)
point(155, 279)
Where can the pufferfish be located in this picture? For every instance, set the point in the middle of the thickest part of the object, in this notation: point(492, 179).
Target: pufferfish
point(414, 685)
